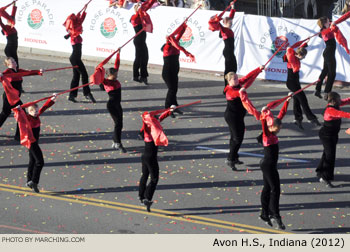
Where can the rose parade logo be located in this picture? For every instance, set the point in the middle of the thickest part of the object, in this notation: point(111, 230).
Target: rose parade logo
point(35, 19)
point(187, 38)
point(108, 28)
point(279, 41)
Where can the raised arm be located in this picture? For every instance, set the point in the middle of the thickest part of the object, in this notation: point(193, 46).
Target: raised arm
point(283, 110)
point(291, 58)
point(46, 105)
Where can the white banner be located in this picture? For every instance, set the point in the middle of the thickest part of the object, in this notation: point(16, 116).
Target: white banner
point(263, 35)
point(40, 25)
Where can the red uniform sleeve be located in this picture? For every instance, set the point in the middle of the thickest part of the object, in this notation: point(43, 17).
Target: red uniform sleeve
point(46, 105)
point(283, 110)
point(82, 17)
point(292, 59)
point(247, 104)
point(12, 94)
point(232, 13)
point(345, 102)
point(248, 80)
point(264, 127)
point(117, 61)
point(177, 34)
point(337, 113)
point(300, 43)
point(3, 26)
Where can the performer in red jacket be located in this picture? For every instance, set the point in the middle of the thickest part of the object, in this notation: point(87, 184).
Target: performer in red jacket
point(235, 113)
point(153, 136)
point(227, 35)
point(113, 87)
point(171, 67)
point(299, 100)
point(74, 28)
point(329, 32)
point(10, 32)
point(140, 72)
point(14, 84)
point(329, 136)
point(31, 121)
point(270, 194)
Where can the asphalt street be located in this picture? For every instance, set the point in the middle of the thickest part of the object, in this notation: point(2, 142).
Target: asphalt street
point(87, 187)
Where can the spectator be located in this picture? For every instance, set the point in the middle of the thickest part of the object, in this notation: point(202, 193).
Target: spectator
point(346, 7)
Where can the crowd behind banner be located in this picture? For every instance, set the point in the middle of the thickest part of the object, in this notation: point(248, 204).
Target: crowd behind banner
point(39, 25)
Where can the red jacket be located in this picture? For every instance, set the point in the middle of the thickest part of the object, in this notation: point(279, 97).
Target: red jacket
point(156, 129)
point(266, 118)
point(111, 85)
point(331, 113)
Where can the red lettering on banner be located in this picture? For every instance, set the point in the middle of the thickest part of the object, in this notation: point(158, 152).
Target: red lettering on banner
point(99, 49)
point(187, 60)
point(276, 70)
point(38, 41)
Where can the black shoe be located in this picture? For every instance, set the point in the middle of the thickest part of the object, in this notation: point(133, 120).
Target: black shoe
point(30, 184)
point(144, 80)
point(141, 200)
point(102, 87)
point(299, 124)
point(278, 221)
point(22, 91)
point(119, 146)
point(33, 186)
point(140, 135)
point(231, 165)
point(72, 99)
point(327, 183)
point(17, 138)
point(90, 97)
point(325, 97)
point(318, 94)
point(172, 115)
point(315, 122)
point(137, 79)
point(148, 204)
point(178, 111)
point(237, 162)
point(266, 219)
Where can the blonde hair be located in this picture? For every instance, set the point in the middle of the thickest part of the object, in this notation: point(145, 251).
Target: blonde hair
point(346, 7)
point(7, 60)
point(229, 76)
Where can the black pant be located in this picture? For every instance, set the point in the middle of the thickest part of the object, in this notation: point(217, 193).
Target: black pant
point(75, 60)
point(230, 65)
point(116, 111)
point(237, 128)
point(270, 194)
point(300, 100)
point(325, 168)
point(329, 70)
point(11, 51)
point(170, 73)
point(141, 61)
point(6, 111)
point(36, 163)
point(150, 167)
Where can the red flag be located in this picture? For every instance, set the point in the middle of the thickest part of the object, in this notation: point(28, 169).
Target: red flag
point(117, 61)
point(98, 76)
point(340, 38)
point(158, 135)
point(25, 128)
point(146, 21)
point(12, 94)
point(248, 80)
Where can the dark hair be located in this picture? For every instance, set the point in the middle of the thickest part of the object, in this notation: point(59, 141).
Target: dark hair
point(333, 97)
point(277, 122)
point(301, 51)
point(112, 71)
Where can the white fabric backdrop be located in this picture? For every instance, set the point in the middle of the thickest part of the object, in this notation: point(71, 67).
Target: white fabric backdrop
point(39, 25)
